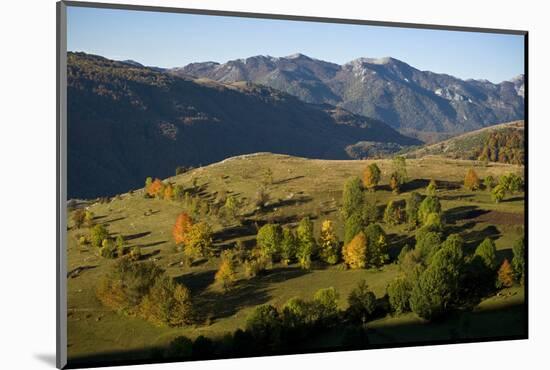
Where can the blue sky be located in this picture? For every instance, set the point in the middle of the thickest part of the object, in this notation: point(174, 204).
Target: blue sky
point(174, 40)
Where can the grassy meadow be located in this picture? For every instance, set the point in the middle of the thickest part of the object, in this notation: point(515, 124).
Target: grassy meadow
point(299, 187)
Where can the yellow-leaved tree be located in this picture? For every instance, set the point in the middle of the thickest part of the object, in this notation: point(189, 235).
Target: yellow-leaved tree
point(355, 252)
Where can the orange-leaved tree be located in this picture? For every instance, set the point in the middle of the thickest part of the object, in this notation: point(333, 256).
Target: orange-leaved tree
point(181, 229)
point(154, 188)
point(471, 181)
point(505, 275)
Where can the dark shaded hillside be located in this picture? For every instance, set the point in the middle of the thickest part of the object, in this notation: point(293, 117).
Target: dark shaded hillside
point(126, 122)
point(422, 103)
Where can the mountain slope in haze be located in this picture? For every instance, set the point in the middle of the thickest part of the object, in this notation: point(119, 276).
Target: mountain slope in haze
point(421, 103)
point(503, 143)
point(127, 122)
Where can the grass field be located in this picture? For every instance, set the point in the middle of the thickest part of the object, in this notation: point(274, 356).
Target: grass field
point(300, 187)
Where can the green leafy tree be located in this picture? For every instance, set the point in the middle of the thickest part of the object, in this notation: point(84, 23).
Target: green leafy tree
point(399, 293)
point(377, 247)
point(411, 209)
point(399, 165)
point(427, 206)
point(518, 261)
point(436, 288)
point(393, 214)
point(120, 245)
point(98, 233)
point(371, 176)
point(431, 188)
point(487, 252)
point(264, 323)
point(306, 243)
point(352, 198)
point(362, 302)
point(289, 245)
point(427, 243)
point(489, 182)
point(352, 226)
point(498, 193)
point(326, 303)
point(269, 240)
point(168, 304)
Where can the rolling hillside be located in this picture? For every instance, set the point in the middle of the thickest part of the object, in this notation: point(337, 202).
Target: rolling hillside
point(300, 187)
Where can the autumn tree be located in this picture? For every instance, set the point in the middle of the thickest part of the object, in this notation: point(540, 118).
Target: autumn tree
point(306, 243)
point(168, 192)
point(155, 188)
point(199, 241)
point(180, 231)
point(371, 176)
point(268, 240)
point(471, 180)
point(78, 217)
point(226, 274)
point(487, 252)
point(329, 246)
point(505, 276)
point(354, 253)
point(352, 198)
point(167, 304)
point(289, 245)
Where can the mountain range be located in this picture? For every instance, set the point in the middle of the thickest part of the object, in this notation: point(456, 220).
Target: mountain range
point(127, 122)
point(419, 103)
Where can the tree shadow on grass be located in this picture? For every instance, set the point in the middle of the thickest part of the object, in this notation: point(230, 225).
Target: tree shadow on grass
point(247, 228)
point(152, 244)
point(287, 180)
point(414, 185)
point(397, 242)
point(136, 236)
point(473, 238)
point(463, 213)
point(245, 293)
